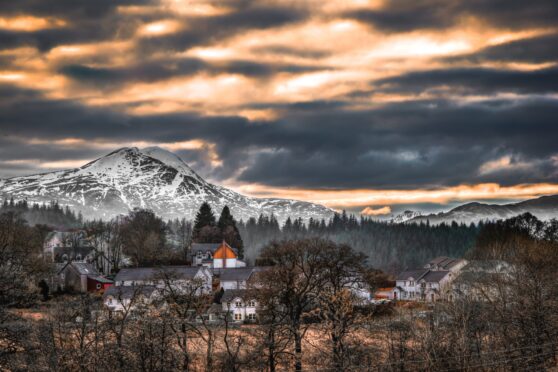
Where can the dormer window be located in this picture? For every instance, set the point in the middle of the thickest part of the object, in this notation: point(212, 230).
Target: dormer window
point(238, 304)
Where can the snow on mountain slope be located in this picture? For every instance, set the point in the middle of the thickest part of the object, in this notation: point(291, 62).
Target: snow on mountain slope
point(148, 178)
point(544, 208)
point(405, 216)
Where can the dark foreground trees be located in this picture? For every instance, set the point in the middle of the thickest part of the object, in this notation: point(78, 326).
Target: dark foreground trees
point(311, 317)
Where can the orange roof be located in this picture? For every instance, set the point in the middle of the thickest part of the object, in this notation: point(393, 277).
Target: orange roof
point(385, 289)
point(224, 251)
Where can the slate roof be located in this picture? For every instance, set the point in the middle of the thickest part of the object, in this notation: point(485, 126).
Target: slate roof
point(435, 276)
point(150, 273)
point(236, 275)
point(84, 268)
point(415, 274)
point(444, 262)
point(127, 292)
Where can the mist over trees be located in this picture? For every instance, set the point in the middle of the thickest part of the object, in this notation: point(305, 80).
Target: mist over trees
point(391, 247)
point(51, 214)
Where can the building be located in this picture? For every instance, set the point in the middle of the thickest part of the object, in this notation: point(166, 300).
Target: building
point(215, 255)
point(430, 283)
point(66, 246)
point(446, 263)
point(81, 277)
point(150, 282)
point(237, 278)
point(386, 293)
point(240, 304)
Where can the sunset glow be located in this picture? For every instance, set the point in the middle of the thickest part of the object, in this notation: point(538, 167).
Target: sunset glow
point(353, 104)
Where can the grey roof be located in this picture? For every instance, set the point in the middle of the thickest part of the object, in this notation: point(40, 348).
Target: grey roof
point(236, 275)
point(444, 262)
point(415, 274)
point(129, 291)
point(100, 279)
point(151, 273)
point(84, 268)
point(204, 247)
point(211, 247)
point(435, 276)
point(231, 294)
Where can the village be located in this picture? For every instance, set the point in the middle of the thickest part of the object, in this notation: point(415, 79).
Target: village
point(217, 270)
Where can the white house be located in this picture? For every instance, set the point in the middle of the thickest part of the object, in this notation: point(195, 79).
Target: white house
point(235, 278)
point(149, 282)
point(429, 283)
point(217, 256)
point(240, 305)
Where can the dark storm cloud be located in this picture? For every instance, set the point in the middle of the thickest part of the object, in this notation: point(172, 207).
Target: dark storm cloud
point(247, 16)
point(538, 49)
point(168, 68)
point(408, 15)
point(473, 81)
point(411, 144)
point(91, 21)
point(86, 21)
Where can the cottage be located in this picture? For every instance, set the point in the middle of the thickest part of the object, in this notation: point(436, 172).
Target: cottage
point(124, 298)
point(236, 278)
point(429, 283)
point(216, 256)
point(149, 282)
point(81, 277)
point(63, 246)
point(240, 304)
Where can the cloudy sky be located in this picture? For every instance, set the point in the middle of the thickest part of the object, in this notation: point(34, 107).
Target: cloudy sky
point(373, 106)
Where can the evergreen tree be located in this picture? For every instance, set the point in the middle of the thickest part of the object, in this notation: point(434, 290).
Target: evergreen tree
point(205, 229)
point(229, 231)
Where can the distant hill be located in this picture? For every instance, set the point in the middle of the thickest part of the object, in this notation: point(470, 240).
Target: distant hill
point(544, 208)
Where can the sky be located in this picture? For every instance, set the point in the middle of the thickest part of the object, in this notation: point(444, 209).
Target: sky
point(372, 106)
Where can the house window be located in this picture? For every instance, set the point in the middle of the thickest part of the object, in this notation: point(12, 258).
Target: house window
point(252, 316)
point(412, 283)
point(237, 316)
point(252, 303)
point(78, 257)
point(238, 304)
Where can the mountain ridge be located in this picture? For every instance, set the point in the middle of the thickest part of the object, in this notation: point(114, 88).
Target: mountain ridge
point(152, 178)
point(544, 207)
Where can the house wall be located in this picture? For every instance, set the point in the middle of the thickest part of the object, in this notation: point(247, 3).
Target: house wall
point(233, 284)
point(242, 312)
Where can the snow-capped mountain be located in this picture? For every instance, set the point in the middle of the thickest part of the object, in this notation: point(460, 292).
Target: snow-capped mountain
point(147, 178)
point(544, 208)
point(405, 216)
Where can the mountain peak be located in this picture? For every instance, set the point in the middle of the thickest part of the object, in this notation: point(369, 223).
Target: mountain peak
point(152, 178)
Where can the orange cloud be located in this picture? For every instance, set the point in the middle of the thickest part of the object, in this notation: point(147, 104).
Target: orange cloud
point(369, 211)
point(370, 197)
